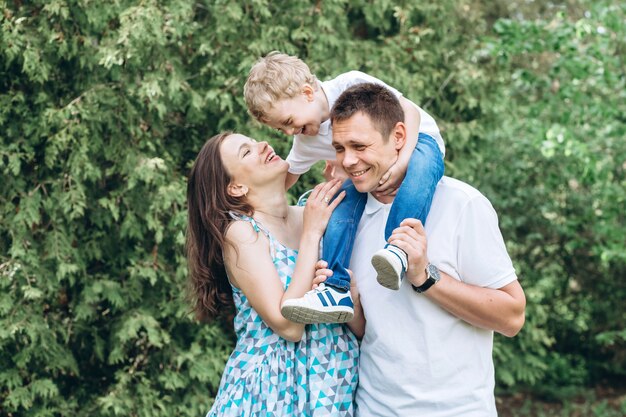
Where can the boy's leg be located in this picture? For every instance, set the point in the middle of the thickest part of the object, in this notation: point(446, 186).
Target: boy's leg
point(338, 240)
point(413, 200)
point(416, 192)
point(331, 302)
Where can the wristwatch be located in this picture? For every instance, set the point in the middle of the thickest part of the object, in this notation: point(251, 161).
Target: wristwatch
point(432, 276)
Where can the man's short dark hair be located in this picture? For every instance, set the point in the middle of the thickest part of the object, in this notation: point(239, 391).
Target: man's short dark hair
point(375, 101)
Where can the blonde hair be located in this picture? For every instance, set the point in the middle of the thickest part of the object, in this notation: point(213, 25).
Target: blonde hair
point(274, 77)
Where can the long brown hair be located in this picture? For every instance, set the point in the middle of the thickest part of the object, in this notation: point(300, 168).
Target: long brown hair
point(208, 204)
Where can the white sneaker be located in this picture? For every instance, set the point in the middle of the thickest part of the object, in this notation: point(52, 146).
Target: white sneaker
point(390, 263)
point(325, 304)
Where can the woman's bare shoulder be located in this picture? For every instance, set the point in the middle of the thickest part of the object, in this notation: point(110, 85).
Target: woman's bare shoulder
point(241, 232)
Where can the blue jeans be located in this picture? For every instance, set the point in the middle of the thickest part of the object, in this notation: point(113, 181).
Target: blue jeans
point(413, 200)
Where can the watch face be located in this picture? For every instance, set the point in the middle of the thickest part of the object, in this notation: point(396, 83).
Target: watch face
point(433, 272)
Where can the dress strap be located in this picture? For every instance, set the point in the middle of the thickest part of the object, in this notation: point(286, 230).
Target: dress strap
point(257, 226)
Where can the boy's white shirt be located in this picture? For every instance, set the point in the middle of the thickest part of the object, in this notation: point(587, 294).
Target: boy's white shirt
point(307, 150)
point(417, 359)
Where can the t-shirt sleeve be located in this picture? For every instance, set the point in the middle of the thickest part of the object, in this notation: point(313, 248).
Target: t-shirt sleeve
point(482, 256)
point(300, 158)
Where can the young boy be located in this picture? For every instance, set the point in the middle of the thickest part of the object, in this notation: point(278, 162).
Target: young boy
point(282, 93)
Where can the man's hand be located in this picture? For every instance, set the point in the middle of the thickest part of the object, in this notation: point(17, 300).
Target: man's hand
point(322, 273)
point(411, 238)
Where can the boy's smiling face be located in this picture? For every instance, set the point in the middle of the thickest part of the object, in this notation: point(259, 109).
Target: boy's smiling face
point(300, 115)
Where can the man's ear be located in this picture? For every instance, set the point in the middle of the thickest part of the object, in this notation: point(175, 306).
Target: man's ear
point(309, 92)
point(398, 135)
point(237, 190)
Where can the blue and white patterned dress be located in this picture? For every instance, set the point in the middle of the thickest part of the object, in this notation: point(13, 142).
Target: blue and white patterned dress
point(267, 375)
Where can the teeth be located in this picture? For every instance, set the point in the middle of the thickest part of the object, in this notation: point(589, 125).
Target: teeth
point(356, 174)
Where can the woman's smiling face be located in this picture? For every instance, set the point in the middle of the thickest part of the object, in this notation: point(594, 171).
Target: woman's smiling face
point(249, 161)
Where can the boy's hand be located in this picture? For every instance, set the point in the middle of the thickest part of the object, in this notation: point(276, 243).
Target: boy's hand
point(333, 170)
point(391, 180)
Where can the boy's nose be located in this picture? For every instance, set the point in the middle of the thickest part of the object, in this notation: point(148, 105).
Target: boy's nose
point(289, 130)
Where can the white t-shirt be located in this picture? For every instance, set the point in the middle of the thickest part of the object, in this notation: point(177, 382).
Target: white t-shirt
point(416, 358)
point(307, 150)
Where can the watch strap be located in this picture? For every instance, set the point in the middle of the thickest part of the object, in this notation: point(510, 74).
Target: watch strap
point(432, 276)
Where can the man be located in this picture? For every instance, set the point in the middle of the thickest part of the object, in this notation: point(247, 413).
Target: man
point(427, 348)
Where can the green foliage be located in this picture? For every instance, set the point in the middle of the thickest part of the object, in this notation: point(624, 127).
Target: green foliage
point(556, 171)
point(589, 404)
point(103, 106)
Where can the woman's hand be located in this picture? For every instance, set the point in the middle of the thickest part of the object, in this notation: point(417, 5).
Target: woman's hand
point(320, 205)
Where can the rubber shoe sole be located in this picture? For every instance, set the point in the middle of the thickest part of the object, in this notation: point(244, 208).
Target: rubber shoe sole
point(387, 274)
point(305, 315)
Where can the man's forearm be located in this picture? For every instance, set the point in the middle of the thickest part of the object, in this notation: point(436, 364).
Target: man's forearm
point(501, 310)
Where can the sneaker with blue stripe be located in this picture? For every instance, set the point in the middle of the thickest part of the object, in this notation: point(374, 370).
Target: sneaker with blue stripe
point(390, 263)
point(325, 304)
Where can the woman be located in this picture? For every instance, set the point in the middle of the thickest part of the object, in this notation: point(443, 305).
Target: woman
point(242, 244)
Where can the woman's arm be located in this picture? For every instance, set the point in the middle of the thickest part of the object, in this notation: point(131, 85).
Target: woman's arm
point(317, 212)
point(250, 267)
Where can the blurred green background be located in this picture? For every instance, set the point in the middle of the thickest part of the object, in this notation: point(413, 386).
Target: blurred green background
point(104, 105)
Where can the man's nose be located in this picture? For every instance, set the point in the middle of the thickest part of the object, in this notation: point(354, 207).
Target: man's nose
point(349, 159)
point(289, 130)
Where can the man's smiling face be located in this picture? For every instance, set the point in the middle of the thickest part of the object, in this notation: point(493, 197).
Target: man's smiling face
point(363, 152)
